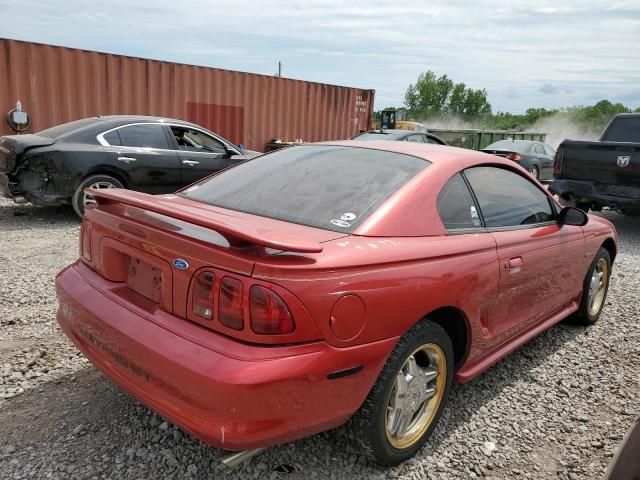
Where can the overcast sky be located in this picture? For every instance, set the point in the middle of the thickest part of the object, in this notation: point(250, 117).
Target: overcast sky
point(535, 53)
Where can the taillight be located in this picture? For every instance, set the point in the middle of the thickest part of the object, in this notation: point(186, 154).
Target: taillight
point(203, 295)
point(513, 156)
point(230, 309)
point(557, 164)
point(269, 313)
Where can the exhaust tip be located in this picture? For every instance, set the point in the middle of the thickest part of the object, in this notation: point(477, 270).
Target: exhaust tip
point(235, 458)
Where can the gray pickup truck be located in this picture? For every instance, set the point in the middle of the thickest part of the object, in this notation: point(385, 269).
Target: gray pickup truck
point(605, 173)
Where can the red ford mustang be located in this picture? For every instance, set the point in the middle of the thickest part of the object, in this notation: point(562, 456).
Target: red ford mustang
point(327, 282)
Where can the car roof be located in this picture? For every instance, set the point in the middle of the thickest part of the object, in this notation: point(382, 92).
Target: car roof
point(431, 152)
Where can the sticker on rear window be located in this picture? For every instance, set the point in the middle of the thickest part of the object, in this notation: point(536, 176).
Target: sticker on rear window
point(348, 217)
point(340, 223)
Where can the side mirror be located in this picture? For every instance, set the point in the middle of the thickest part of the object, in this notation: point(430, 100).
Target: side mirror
point(572, 216)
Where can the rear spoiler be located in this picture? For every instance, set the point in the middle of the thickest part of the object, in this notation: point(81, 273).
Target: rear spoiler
point(209, 217)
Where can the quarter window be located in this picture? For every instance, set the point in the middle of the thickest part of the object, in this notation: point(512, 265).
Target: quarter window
point(456, 206)
point(196, 141)
point(144, 136)
point(112, 138)
point(506, 199)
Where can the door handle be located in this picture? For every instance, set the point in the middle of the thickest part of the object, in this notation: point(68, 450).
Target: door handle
point(126, 159)
point(190, 162)
point(514, 265)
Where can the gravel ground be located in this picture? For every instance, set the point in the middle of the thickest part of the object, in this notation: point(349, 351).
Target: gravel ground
point(555, 408)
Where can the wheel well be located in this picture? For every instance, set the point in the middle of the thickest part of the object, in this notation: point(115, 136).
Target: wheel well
point(610, 246)
point(106, 171)
point(453, 321)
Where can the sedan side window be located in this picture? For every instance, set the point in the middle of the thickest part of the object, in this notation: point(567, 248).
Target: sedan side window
point(196, 141)
point(144, 136)
point(538, 149)
point(456, 206)
point(415, 138)
point(507, 199)
point(548, 150)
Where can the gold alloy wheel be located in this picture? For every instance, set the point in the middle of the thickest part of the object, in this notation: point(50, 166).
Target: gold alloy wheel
point(416, 396)
point(598, 287)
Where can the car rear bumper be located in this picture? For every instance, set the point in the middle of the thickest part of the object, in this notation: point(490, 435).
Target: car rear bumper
point(232, 395)
point(619, 197)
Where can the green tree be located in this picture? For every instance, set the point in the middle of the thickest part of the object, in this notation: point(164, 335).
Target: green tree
point(432, 95)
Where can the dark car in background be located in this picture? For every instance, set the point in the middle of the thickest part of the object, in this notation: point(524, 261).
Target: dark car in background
point(148, 154)
point(400, 135)
point(536, 157)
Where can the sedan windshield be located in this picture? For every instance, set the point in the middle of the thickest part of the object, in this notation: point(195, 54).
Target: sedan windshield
point(324, 186)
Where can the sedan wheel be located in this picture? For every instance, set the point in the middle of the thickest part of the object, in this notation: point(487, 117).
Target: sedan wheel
point(406, 402)
point(80, 199)
point(533, 170)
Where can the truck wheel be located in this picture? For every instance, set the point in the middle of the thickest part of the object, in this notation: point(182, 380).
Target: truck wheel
point(80, 199)
point(408, 397)
point(594, 289)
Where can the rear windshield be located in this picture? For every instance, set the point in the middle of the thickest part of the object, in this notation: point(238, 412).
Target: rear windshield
point(324, 186)
point(624, 129)
point(65, 128)
point(508, 145)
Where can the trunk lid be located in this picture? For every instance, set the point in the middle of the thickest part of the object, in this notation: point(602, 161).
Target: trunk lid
point(615, 163)
point(12, 146)
point(153, 246)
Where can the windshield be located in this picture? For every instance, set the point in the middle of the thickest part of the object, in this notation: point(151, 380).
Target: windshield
point(324, 186)
point(511, 146)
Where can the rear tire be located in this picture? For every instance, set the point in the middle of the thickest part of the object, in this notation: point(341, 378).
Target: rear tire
point(594, 289)
point(534, 172)
point(406, 401)
point(80, 199)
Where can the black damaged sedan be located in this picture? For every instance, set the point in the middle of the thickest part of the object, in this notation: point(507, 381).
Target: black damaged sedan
point(148, 154)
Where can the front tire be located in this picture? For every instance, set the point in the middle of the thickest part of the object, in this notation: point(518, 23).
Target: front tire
point(406, 402)
point(80, 199)
point(534, 172)
point(594, 289)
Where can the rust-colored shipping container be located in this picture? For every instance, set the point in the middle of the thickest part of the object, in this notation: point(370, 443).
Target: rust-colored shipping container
point(57, 84)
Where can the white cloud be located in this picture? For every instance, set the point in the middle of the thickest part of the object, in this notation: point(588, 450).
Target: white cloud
point(586, 48)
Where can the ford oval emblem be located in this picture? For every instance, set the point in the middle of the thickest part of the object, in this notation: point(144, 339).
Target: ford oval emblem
point(180, 264)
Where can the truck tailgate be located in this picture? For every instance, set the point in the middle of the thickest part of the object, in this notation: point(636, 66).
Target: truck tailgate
point(605, 162)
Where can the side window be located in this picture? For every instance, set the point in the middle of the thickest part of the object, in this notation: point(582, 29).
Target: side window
point(548, 150)
point(415, 138)
point(112, 138)
point(506, 199)
point(196, 141)
point(538, 149)
point(456, 206)
point(144, 136)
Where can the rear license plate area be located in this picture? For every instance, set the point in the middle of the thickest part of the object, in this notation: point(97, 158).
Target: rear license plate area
point(145, 279)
